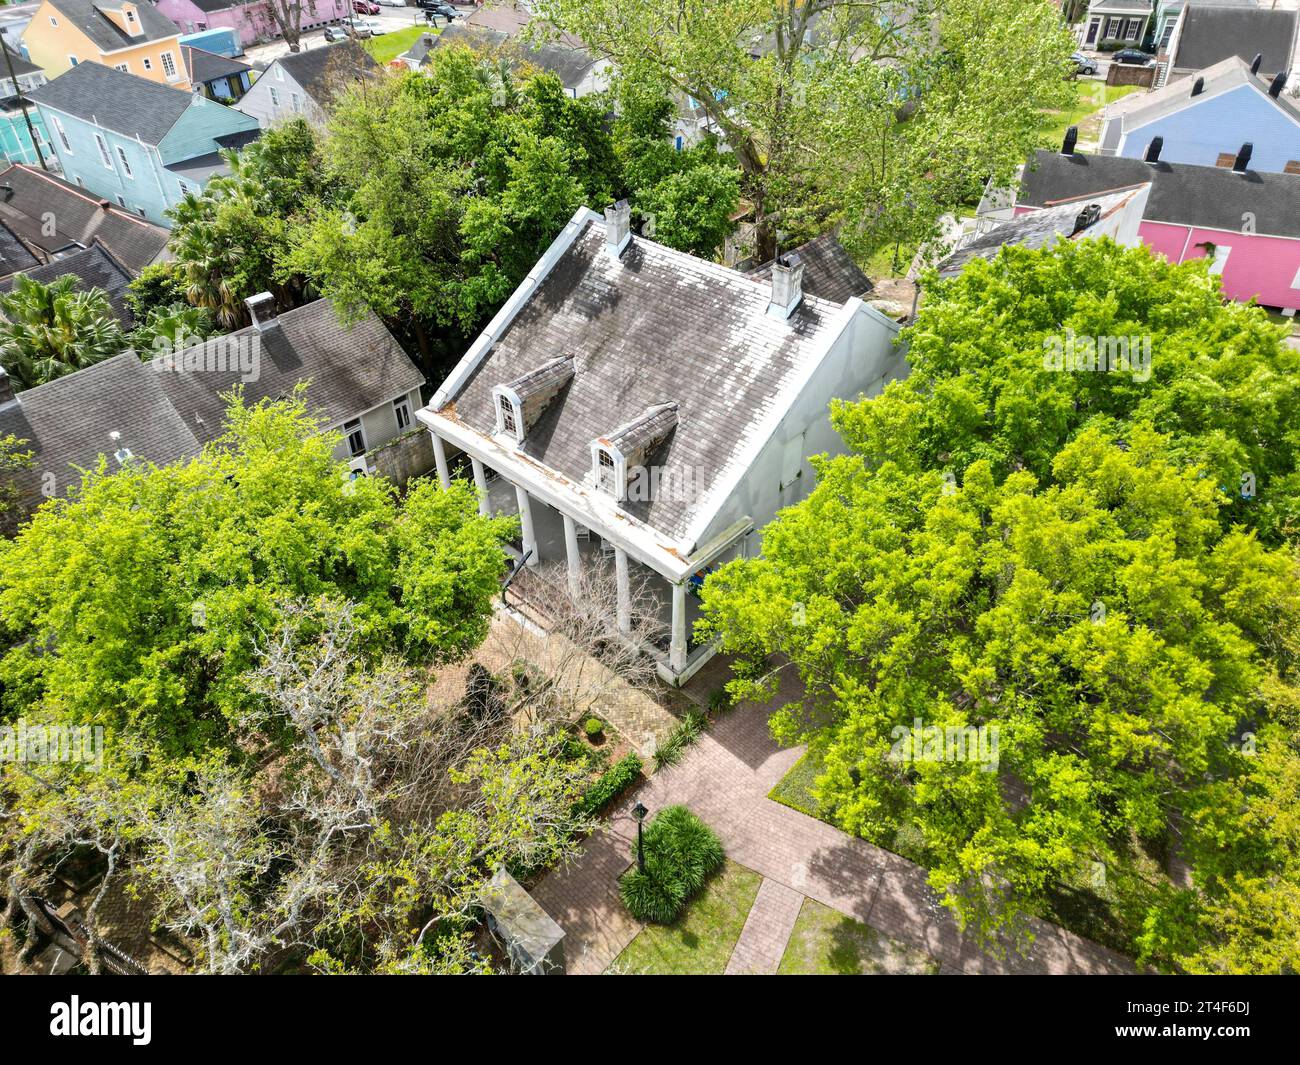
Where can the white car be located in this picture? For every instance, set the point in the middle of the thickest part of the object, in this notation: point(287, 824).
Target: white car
point(375, 27)
point(391, 3)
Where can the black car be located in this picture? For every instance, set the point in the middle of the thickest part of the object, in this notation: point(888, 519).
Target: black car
point(1133, 57)
point(437, 7)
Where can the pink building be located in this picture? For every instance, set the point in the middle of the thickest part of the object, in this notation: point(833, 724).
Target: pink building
point(251, 21)
point(1246, 221)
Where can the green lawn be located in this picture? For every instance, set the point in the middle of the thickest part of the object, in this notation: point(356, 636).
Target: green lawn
point(390, 45)
point(827, 943)
point(701, 940)
point(1090, 98)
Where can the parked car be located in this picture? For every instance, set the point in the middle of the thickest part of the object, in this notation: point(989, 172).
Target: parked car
point(1133, 57)
point(433, 17)
point(365, 7)
point(335, 33)
point(437, 7)
point(375, 27)
point(1082, 64)
point(358, 30)
point(393, 3)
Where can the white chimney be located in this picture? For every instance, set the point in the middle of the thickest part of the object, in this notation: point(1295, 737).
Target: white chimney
point(787, 285)
point(262, 311)
point(618, 227)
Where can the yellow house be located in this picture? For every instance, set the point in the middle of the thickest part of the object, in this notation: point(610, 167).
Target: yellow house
point(134, 37)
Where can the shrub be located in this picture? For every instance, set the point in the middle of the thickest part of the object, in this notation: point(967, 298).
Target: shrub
point(593, 727)
point(681, 853)
point(611, 783)
point(684, 733)
point(719, 701)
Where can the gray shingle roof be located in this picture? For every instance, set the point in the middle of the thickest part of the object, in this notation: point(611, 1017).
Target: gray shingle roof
point(1210, 34)
point(21, 65)
point(67, 423)
point(86, 16)
point(117, 100)
point(654, 326)
point(321, 71)
point(14, 254)
point(349, 370)
point(208, 66)
point(1039, 229)
point(164, 414)
point(93, 268)
point(828, 270)
point(1209, 196)
point(79, 218)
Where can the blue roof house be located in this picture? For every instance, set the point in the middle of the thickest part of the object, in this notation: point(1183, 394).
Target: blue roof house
point(1205, 119)
point(137, 143)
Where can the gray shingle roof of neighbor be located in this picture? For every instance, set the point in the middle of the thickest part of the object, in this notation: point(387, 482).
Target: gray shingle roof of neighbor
point(322, 71)
point(21, 64)
point(1211, 33)
point(14, 254)
point(654, 326)
point(167, 414)
point(67, 423)
point(1181, 194)
point(1141, 7)
point(347, 370)
point(93, 268)
point(208, 66)
point(1038, 229)
point(828, 270)
point(116, 99)
point(29, 197)
point(86, 16)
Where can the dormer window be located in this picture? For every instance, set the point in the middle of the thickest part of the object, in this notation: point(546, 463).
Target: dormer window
point(606, 471)
point(619, 460)
point(508, 422)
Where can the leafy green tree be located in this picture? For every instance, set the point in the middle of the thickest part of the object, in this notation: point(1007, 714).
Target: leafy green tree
point(171, 328)
point(869, 112)
point(140, 598)
point(158, 285)
point(1055, 572)
point(13, 458)
point(47, 331)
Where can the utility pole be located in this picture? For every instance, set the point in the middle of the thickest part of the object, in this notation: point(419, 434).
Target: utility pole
point(22, 102)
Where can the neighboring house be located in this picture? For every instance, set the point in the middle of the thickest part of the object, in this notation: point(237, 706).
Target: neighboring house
point(18, 76)
point(359, 382)
point(13, 20)
point(50, 218)
point(304, 83)
point(1115, 23)
point(135, 142)
point(219, 42)
point(252, 22)
point(94, 268)
point(217, 77)
point(634, 401)
point(829, 272)
point(1117, 215)
point(502, 26)
point(1206, 118)
point(131, 37)
point(1208, 33)
point(1245, 220)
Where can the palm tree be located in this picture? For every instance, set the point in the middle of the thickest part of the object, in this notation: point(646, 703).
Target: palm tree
point(47, 331)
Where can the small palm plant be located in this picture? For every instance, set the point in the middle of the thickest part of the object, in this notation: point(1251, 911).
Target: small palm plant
point(49, 330)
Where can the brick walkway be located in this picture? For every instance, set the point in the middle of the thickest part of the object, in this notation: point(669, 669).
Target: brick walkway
point(767, 928)
point(725, 779)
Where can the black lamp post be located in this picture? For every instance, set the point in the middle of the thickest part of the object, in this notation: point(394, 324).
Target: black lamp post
point(639, 811)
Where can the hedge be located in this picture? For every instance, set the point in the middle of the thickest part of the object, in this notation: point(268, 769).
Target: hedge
point(609, 785)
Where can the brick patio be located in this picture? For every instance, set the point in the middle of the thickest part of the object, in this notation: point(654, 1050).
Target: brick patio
point(725, 779)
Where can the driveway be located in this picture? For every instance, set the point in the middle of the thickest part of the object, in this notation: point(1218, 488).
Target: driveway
point(725, 779)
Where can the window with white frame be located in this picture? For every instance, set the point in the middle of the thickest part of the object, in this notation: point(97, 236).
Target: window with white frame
point(508, 422)
point(104, 157)
point(275, 97)
point(53, 21)
point(1113, 27)
point(297, 104)
point(169, 65)
point(148, 63)
point(123, 67)
point(402, 412)
point(126, 165)
point(356, 435)
point(63, 135)
point(606, 471)
point(1131, 33)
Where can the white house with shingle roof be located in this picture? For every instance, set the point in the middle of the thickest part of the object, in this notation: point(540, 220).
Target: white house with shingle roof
point(659, 408)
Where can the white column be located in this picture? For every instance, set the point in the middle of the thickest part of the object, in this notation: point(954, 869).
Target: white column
point(526, 524)
point(480, 482)
point(677, 647)
point(440, 457)
point(624, 591)
point(571, 550)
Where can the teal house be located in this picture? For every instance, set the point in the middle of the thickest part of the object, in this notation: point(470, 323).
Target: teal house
point(137, 143)
point(18, 76)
